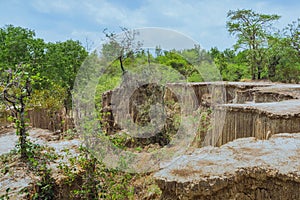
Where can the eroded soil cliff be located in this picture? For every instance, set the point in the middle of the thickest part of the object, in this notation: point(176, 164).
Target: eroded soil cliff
point(243, 169)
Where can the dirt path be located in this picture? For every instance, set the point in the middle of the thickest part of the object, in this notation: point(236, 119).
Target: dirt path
point(10, 139)
point(7, 142)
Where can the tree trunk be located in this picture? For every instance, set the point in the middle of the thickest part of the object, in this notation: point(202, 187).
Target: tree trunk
point(272, 71)
point(121, 64)
point(22, 131)
point(148, 53)
point(259, 71)
point(253, 66)
point(252, 72)
point(272, 66)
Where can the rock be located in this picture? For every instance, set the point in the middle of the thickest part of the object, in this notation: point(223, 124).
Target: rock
point(243, 169)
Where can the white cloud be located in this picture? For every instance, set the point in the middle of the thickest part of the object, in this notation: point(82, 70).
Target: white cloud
point(203, 20)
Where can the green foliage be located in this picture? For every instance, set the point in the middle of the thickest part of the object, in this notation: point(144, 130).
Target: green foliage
point(252, 30)
point(45, 187)
point(49, 99)
point(195, 77)
point(119, 140)
point(289, 60)
point(235, 72)
point(16, 91)
point(38, 159)
point(49, 62)
point(17, 45)
point(98, 182)
point(106, 82)
point(63, 60)
point(292, 33)
point(177, 62)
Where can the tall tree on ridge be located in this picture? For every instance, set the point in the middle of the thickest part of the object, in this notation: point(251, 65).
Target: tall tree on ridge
point(252, 30)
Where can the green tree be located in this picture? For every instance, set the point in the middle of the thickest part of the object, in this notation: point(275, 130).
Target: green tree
point(177, 62)
point(196, 55)
point(283, 57)
point(16, 89)
point(292, 32)
point(277, 47)
point(222, 59)
point(19, 45)
point(63, 60)
point(232, 66)
point(252, 30)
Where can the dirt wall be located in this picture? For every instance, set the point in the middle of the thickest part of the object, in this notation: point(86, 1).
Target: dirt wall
point(53, 121)
point(257, 120)
point(244, 169)
point(239, 109)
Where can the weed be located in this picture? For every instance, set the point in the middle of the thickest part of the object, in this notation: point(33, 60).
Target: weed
point(5, 196)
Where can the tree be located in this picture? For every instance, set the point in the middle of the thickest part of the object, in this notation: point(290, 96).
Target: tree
point(231, 65)
point(18, 45)
point(158, 51)
point(53, 62)
point(283, 55)
point(292, 32)
point(16, 89)
point(221, 59)
point(62, 62)
point(196, 55)
point(274, 54)
point(252, 30)
point(120, 46)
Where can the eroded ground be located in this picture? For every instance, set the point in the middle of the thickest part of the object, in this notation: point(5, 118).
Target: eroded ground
point(243, 169)
point(255, 131)
point(15, 175)
point(259, 148)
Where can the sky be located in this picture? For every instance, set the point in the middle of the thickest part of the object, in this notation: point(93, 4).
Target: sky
point(84, 20)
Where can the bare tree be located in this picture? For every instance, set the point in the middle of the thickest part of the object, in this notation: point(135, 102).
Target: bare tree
point(121, 46)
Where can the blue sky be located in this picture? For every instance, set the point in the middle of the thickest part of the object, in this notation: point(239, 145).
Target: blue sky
point(202, 20)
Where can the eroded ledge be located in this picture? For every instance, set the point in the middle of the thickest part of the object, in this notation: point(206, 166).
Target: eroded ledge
point(246, 168)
